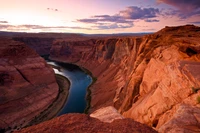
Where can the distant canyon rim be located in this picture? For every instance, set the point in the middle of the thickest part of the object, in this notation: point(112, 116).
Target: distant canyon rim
point(153, 79)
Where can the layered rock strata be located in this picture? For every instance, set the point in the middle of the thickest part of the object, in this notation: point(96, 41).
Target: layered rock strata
point(152, 79)
point(41, 45)
point(27, 84)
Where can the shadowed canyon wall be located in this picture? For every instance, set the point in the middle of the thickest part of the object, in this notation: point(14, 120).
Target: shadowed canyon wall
point(152, 79)
point(41, 45)
point(27, 84)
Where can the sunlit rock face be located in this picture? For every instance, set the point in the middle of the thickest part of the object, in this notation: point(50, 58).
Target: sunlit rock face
point(27, 84)
point(145, 78)
point(107, 114)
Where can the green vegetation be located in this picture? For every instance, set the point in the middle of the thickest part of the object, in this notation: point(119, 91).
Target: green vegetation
point(94, 79)
point(198, 99)
point(86, 71)
point(88, 96)
point(195, 90)
point(88, 99)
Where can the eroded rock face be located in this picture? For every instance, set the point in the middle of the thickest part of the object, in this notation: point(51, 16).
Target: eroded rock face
point(107, 114)
point(41, 45)
point(106, 59)
point(182, 115)
point(27, 84)
point(81, 123)
point(143, 77)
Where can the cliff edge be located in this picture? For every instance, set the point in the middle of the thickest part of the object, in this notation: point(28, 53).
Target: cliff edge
point(152, 79)
point(27, 85)
point(81, 123)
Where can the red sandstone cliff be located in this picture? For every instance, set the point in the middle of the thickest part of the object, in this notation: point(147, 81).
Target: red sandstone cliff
point(152, 79)
point(42, 42)
point(27, 84)
point(41, 45)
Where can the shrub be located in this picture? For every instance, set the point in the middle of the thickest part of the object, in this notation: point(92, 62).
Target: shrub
point(195, 90)
point(198, 99)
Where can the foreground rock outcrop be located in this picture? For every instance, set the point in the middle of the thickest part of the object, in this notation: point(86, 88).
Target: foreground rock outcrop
point(107, 114)
point(81, 123)
point(27, 85)
point(152, 79)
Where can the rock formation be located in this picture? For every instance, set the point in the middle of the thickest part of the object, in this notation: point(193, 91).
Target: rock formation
point(107, 114)
point(81, 123)
point(41, 45)
point(42, 42)
point(27, 84)
point(152, 79)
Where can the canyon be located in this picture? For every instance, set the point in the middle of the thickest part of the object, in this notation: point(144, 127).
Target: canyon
point(27, 84)
point(29, 91)
point(152, 79)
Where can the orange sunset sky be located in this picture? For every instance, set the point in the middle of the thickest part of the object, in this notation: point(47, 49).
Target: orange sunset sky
point(96, 16)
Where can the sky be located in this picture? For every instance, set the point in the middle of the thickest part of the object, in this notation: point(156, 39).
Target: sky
point(96, 16)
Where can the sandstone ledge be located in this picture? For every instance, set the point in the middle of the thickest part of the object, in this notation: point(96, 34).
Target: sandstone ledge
point(107, 114)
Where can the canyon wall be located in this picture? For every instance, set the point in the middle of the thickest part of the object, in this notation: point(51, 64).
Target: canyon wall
point(41, 45)
point(42, 42)
point(27, 84)
point(152, 79)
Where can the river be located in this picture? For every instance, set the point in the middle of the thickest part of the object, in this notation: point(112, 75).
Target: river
point(79, 82)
